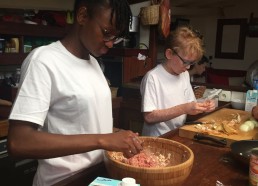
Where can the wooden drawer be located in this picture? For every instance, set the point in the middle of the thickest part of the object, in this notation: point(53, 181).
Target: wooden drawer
point(5, 111)
point(4, 128)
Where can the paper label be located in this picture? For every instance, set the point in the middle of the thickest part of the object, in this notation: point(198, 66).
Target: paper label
point(101, 181)
point(251, 100)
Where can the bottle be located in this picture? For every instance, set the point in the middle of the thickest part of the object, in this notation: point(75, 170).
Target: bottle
point(17, 76)
point(253, 168)
point(255, 82)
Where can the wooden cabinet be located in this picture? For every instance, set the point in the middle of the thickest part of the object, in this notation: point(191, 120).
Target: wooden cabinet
point(116, 108)
point(134, 68)
point(131, 117)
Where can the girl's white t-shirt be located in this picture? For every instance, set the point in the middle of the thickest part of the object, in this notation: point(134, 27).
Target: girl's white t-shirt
point(162, 90)
point(64, 95)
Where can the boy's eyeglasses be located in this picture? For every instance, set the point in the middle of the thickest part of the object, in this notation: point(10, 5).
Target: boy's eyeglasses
point(185, 62)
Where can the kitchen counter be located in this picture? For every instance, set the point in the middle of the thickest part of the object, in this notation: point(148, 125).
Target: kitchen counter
point(211, 164)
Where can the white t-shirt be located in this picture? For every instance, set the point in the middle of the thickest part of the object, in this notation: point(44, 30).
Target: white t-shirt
point(162, 90)
point(64, 95)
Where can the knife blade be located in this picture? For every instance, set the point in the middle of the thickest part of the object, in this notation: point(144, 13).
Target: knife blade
point(198, 122)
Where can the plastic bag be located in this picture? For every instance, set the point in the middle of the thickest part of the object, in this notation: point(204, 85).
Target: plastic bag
point(252, 75)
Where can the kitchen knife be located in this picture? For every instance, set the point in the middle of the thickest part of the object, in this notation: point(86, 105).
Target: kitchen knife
point(201, 137)
point(198, 122)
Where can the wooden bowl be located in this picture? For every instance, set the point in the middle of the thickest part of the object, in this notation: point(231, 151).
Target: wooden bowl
point(175, 173)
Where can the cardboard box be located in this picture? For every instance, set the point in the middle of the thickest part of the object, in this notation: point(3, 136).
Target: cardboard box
point(251, 100)
point(101, 181)
point(105, 182)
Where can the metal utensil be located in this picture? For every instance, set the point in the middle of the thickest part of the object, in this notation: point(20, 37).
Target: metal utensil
point(221, 142)
point(198, 122)
point(242, 150)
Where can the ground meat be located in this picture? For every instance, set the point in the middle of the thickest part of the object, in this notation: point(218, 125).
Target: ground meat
point(144, 159)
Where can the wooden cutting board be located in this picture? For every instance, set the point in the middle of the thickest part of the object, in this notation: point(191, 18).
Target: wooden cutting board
point(190, 131)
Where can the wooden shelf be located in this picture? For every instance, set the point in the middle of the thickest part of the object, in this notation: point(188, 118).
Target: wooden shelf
point(12, 58)
point(132, 67)
point(21, 29)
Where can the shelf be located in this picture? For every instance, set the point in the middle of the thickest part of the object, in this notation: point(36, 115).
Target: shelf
point(22, 29)
point(12, 58)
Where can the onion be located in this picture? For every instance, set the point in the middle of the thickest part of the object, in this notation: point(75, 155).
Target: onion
point(245, 128)
point(250, 123)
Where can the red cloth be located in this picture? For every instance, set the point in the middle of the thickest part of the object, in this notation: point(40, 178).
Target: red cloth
point(221, 76)
point(217, 79)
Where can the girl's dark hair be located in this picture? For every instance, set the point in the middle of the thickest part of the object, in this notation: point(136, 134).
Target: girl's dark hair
point(120, 8)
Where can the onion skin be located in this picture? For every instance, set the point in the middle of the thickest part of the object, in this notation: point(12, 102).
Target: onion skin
point(244, 128)
point(250, 123)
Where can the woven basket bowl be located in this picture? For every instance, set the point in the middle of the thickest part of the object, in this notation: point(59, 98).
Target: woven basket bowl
point(175, 174)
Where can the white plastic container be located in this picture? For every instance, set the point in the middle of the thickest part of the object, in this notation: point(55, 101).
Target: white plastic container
point(251, 100)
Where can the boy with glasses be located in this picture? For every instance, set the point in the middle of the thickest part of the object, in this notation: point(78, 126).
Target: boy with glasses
point(62, 115)
point(167, 95)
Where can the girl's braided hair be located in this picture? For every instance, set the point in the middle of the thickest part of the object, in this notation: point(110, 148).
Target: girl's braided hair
point(120, 8)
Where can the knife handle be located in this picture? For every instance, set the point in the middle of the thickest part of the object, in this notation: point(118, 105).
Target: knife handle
point(199, 137)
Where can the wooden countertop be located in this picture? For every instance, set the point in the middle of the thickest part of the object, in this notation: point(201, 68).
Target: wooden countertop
point(211, 164)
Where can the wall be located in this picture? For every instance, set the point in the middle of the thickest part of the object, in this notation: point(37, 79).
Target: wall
point(207, 24)
point(144, 30)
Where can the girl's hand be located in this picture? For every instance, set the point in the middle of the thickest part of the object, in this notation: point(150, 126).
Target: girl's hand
point(124, 141)
point(194, 108)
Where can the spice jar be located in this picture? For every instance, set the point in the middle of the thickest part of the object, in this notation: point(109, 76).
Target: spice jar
point(253, 169)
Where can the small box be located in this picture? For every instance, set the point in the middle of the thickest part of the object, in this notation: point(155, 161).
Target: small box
point(107, 182)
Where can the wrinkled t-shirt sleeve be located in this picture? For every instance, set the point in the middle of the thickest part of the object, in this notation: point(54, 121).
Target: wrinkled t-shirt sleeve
point(191, 93)
point(32, 102)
